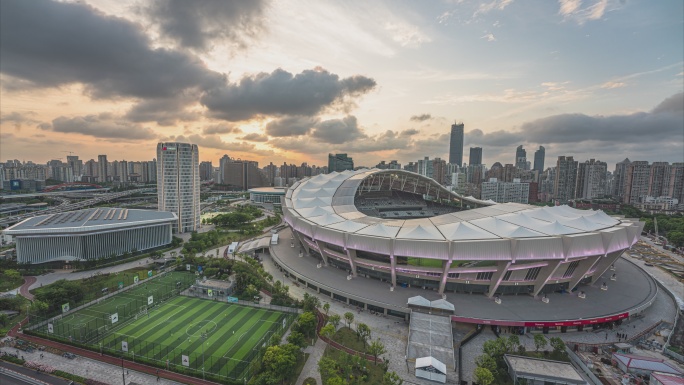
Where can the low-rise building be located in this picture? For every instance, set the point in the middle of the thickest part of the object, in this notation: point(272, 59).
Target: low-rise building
point(536, 371)
point(642, 365)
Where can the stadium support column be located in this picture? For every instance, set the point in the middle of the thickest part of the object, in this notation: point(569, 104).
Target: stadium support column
point(603, 264)
point(393, 264)
point(351, 254)
point(544, 275)
point(299, 238)
point(582, 269)
point(322, 250)
point(502, 268)
point(446, 265)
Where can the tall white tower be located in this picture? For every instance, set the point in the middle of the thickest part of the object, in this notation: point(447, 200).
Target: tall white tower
point(178, 183)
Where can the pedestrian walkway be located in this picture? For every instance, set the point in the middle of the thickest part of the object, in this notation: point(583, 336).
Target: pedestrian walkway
point(311, 367)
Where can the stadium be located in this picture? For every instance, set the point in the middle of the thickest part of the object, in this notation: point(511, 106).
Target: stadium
point(90, 234)
point(408, 231)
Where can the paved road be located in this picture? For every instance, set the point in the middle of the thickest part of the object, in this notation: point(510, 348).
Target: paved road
point(44, 378)
point(24, 289)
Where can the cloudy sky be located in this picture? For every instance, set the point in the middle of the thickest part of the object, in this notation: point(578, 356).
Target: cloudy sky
point(292, 81)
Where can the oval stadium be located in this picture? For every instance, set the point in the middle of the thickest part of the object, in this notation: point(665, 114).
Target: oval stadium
point(376, 238)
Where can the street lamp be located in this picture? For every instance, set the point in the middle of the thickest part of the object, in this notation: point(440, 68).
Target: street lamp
point(204, 337)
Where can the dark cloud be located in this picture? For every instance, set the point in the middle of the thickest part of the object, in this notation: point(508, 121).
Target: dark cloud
point(166, 112)
point(254, 137)
point(420, 118)
point(18, 118)
point(291, 126)
point(221, 128)
point(673, 104)
point(48, 44)
point(102, 126)
point(337, 131)
point(199, 24)
point(409, 132)
point(282, 93)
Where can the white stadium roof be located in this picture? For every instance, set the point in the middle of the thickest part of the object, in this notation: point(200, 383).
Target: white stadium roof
point(322, 207)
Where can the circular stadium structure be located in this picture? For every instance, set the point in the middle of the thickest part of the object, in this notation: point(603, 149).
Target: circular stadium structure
point(407, 230)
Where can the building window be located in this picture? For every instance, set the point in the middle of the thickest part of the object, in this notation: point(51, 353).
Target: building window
point(485, 276)
point(507, 276)
point(532, 274)
point(571, 269)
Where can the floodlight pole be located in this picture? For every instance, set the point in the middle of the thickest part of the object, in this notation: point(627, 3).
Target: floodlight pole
point(123, 373)
point(204, 336)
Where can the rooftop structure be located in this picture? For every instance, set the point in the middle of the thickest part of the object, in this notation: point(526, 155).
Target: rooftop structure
point(539, 371)
point(630, 363)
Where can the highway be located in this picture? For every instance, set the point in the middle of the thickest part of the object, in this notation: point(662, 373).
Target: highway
point(69, 206)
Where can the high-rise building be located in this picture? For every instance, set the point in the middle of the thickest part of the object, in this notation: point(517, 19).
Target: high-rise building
point(178, 183)
point(206, 170)
point(539, 159)
point(242, 175)
point(619, 177)
point(675, 184)
point(90, 168)
point(636, 182)
point(591, 179)
point(102, 168)
point(225, 159)
point(520, 158)
point(475, 156)
point(504, 192)
point(659, 179)
point(456, 144)
point(76, 165)
point(566, 179)
point(339, 163)
point(439, 171)
point(392, 165)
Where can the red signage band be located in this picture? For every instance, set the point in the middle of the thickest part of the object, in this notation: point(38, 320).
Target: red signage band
point(580, 322)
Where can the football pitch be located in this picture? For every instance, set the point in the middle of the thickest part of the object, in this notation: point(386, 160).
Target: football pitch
point(218, 337)
point(152, 322)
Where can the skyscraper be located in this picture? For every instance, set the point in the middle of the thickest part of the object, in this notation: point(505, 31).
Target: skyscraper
point(456, 144)
point(539, 159)
point(636, 182)
point(178, 183)
point(475, 156)
point(566, 179)
point(206, 170)
point(619, 177)
point(520, 158)
point(339, 163)
point(102, 168)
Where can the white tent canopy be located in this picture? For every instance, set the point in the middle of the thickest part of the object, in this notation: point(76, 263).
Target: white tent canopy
point(419, 301)
point(431, 369)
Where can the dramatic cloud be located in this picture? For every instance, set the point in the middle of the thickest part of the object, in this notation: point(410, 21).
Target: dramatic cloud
point(282, 93)
point(165, 112)
point(291, 126)
point(337, 131)
point(100, 126)
point(420, 118)
point(18, 118)
point(198, 24)
point(215, 142)
point(221, 129)
point(49, 44)
point(254, 137)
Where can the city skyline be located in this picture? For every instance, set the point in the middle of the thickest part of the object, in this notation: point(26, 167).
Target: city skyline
point(253, 81)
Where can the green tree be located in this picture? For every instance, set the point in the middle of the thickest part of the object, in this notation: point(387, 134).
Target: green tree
point(512, 343)
point(328, 331)
point(310, 302)
point(539, 342)
point(392, 378)
point(4, 319)
point(488, 362)
point(326, 308)
point(297, 339)
point(39, 307)
point(557, 344)
point(279, 363)
point(335, 380)
point(676, 238)
point(363, 332)
point(334, 320)
point(376, 348)
point(12, 274)
point(327, 367)
point(349, 318)
point(275, 339)
point(306, 324)
point(483, 376)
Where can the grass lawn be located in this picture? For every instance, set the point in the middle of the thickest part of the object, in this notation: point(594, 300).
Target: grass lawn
point(347, 337)
point(111, 281)
point(7, 284)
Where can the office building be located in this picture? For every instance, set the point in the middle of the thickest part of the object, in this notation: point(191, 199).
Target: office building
point(102, 169)
point(339, 163)
point(178, 184)
point(76, 165)
point(591, 179)
point(521, 158)
point(539, 159)
point(658, 179)
point(566, 179)
point(456, 144)
point(475, 156)
point(242, 175)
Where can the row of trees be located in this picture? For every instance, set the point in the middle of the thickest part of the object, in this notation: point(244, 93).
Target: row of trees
point(491, 366)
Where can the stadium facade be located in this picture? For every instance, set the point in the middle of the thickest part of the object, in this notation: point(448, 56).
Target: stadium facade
point(406, 229)
point(90, 234)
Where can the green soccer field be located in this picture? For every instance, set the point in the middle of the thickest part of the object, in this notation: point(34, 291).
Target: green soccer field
point(219, 337)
